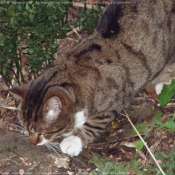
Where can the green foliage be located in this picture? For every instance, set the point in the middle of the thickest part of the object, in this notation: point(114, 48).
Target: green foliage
point(89, 18)
point(141, 128)
point(31, 28)
point(107, 166)
point(158, 115)
point(167, 93)
point(168, 124)
point(135, 165)
point(139, 144)
point(167, 163)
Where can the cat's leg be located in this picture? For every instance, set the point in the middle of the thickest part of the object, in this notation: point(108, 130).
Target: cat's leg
point(86, 131)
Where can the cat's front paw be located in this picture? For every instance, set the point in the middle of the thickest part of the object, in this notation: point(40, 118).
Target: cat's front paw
point(71, 145)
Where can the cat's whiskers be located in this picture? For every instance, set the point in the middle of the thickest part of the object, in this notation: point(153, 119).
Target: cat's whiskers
point(53, 147)
point(19, 129)
point(47, 146)
point(17, 126)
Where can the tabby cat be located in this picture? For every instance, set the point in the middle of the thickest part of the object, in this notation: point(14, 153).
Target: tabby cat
point(88, 85)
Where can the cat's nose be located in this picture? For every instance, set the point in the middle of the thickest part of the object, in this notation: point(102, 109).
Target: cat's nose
point(34, 138)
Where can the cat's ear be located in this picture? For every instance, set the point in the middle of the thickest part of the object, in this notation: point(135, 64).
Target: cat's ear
point(17, 92)
point(4, 93)
point(52, 109)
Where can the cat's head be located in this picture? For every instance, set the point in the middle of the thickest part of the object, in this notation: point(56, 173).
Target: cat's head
point(45, 114)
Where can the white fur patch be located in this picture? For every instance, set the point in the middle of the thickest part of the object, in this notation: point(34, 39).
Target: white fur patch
point(71, 145)
point(52, 109)
point(44, 141)
point(51, 112)
point(159, 87)
point(80, 118)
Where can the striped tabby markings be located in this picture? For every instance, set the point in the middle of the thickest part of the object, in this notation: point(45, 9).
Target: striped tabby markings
point(36, 92)
point(139, 55)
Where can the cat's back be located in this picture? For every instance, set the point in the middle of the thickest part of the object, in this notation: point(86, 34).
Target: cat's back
point(122, 59)
point(142, 43)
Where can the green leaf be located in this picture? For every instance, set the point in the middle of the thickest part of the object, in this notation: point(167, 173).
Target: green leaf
point(169, 124)
point(136, 164)
point(141, 127)
point(1, 43)
point(24, 46)
point(139, 144)
point(18, 41)
point(167, 93)
point(27, 6)
point(31, 16)
point(31, 51)
point(158, 115)
point(25, 50)
point(54, 46)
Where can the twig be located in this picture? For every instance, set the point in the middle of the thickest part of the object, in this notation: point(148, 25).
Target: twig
point(169, 105)
point(75, 31)
point(72, 31)
point(6, 107)
point(72, 39)
point(127, 116)
point(110, 142)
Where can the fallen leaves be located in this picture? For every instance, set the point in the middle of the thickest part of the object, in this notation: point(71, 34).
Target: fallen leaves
point(24, 161)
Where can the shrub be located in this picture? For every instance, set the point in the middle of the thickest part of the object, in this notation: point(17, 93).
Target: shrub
point(29, 28)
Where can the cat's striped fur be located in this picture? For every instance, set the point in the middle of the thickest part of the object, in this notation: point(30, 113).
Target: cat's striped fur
point(81, 93)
